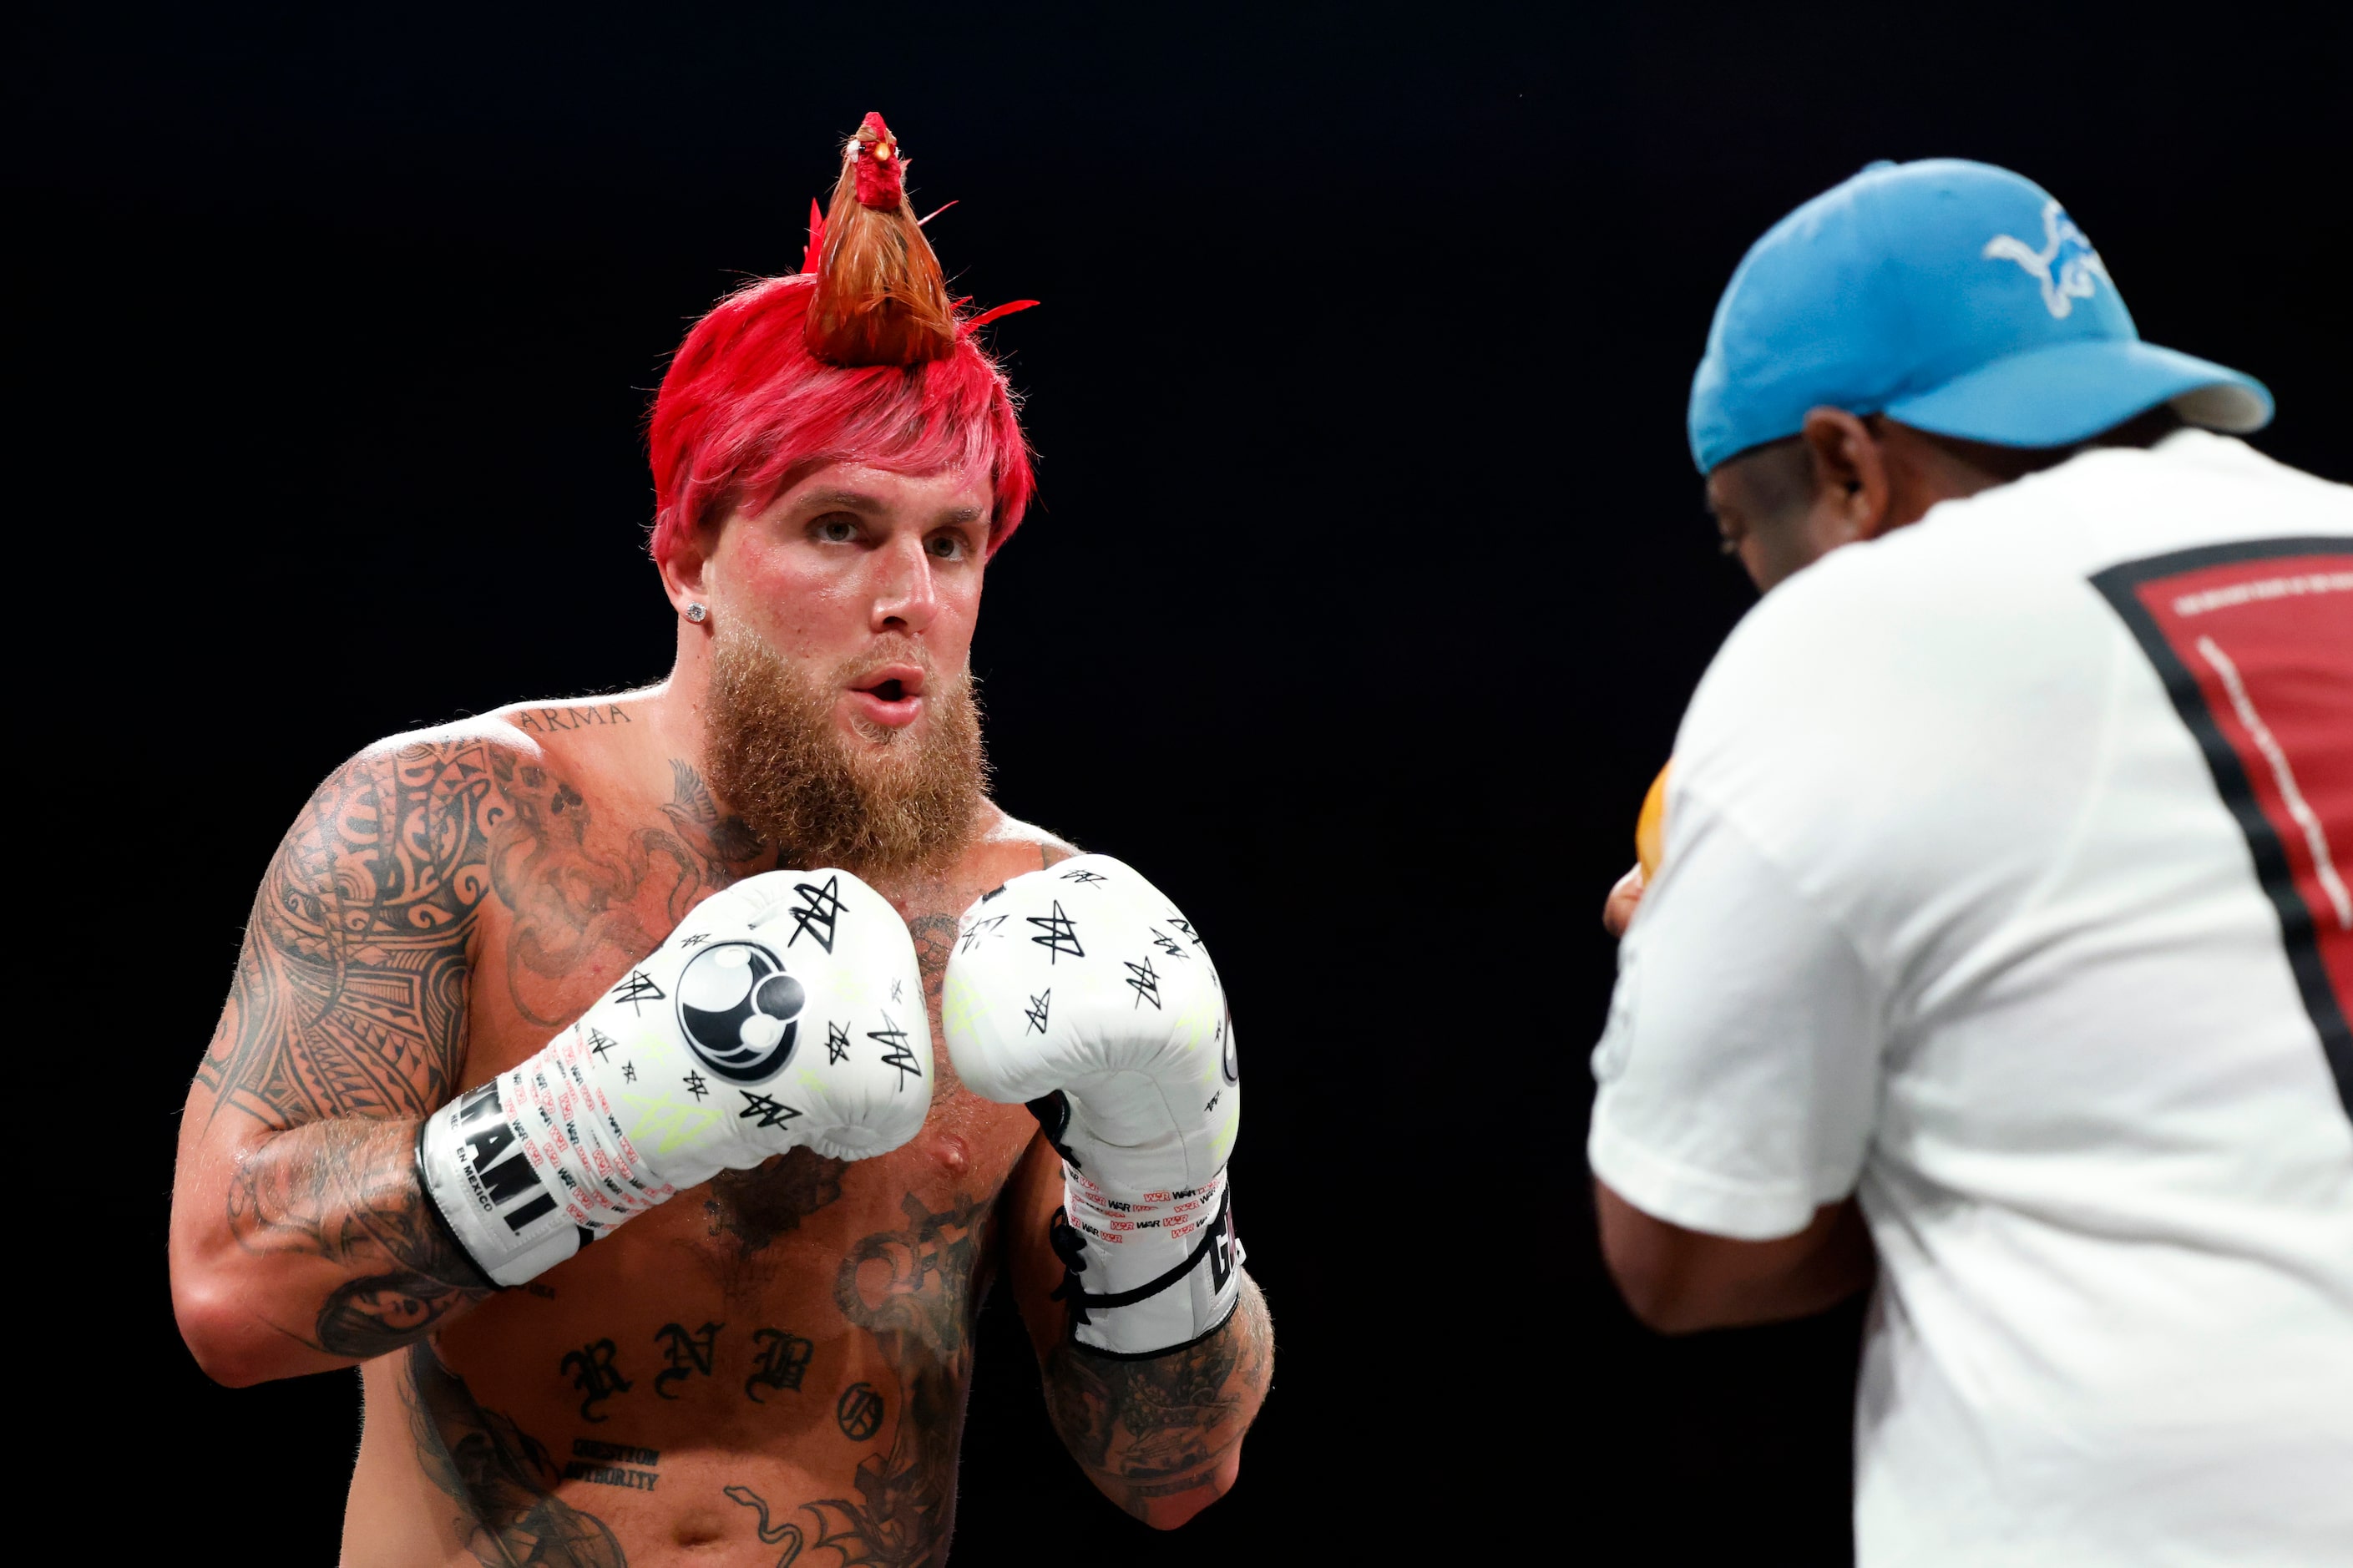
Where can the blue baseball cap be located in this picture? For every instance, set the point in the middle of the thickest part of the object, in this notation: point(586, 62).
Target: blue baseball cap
point(1955, 297)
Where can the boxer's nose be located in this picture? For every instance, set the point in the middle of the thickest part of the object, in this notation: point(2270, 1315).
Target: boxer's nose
point(905, 598)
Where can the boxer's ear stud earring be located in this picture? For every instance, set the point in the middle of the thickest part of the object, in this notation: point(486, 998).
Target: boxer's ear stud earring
point(697, 614)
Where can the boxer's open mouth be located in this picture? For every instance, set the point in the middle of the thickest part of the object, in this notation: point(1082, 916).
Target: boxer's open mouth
point(892, 695)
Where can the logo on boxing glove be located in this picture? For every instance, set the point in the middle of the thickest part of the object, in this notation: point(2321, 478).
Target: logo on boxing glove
point(740, 1011)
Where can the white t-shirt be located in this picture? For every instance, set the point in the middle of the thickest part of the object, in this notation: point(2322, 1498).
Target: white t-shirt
point(2005, 885)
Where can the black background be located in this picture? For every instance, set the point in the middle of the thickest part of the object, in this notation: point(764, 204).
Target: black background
point(1369, 579)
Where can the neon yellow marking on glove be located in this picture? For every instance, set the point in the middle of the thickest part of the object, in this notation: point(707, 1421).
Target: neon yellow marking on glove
point(666, 1126)
point(956, 1004)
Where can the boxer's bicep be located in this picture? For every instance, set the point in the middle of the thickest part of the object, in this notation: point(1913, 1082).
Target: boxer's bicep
point(349, 997)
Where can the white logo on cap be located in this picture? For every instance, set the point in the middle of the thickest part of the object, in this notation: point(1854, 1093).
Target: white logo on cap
point(2060, 235)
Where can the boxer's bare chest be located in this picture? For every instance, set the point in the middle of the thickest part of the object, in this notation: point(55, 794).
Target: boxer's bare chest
point(791, 1338)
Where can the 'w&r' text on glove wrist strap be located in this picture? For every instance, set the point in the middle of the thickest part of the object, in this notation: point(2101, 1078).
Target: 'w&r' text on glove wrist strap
point(1148, 1275)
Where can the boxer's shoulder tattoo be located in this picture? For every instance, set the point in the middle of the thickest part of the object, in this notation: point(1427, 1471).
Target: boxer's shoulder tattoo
point(350, 995)
point(589, 902)
point(570, 716)
point(349, 998)
point(1158, 1428)
point(503, 1479)
point(345, 1192)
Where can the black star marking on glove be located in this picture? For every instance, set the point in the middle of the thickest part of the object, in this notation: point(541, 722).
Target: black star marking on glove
point(837, 1043)
point(1181, 923)
point(821, 907)
point(695, 1082)
point(978, 928)
point(696, 940)
point(1083, 876)
point(772, 1113)
point(1144, 983)
point(629, 1072)
point(896, 1052)
point(599, 1043)
point(894, 992)
point(1036, 1011)
point(641, 990)
point(1168, 944)
point(1061, 936)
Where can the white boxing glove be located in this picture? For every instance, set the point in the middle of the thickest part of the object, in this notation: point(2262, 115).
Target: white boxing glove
point(1083, 979)
point(786, 1011)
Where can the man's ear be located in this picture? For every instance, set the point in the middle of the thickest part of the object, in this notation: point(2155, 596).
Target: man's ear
point(686, 571)
point(1851, 485)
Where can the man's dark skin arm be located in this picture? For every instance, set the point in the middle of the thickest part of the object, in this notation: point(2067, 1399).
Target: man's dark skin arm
point(1679, 1281)
point(1162, 1437)
point(300, 1240)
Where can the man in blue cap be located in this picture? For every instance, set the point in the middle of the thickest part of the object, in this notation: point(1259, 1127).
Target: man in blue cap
point(2002, 932)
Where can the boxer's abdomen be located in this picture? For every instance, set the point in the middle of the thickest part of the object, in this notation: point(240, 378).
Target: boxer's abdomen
point(794, 1340)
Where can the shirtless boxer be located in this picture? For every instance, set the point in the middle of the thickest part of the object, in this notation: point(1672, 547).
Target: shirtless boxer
point(765, 1350)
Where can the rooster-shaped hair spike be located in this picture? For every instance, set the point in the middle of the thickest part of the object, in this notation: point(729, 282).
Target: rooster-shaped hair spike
point(880, 298)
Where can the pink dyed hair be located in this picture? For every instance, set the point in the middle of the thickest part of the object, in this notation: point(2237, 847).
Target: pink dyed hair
point(746, 410)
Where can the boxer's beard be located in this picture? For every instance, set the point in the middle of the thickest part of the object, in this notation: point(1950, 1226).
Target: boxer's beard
point(891, 801)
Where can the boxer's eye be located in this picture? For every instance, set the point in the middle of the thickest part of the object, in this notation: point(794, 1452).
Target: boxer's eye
point(835, 529)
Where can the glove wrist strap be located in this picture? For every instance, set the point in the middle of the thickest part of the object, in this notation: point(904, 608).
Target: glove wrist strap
point(1148, 1275)
point(529, 1168)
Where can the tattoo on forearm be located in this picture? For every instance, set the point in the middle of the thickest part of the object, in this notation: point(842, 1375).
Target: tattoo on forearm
point(1159, 1427)
point(346, 1191)
point(501, 1478)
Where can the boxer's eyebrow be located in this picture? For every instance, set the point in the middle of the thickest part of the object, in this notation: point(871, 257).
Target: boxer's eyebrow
point(849, 500)
point(963, 514)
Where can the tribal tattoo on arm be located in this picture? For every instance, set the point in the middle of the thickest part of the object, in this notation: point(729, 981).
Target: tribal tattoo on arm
point(350, 994)
point(346, 1026)
point(346, 1023)
point(1159, 1428)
